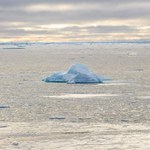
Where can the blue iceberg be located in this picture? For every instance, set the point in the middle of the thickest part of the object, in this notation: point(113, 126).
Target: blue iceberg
point(77, 73)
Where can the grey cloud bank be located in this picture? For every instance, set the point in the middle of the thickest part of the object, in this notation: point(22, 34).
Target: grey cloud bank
point(23, 18)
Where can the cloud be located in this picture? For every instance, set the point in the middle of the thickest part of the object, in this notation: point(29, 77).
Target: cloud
point(83, 33)
point(36, 17)
point(54, 12)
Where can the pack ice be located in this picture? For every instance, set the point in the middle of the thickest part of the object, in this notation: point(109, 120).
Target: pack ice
point(77, 73)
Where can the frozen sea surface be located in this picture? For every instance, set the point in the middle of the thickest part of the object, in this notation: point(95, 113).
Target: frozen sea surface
point(113, 115)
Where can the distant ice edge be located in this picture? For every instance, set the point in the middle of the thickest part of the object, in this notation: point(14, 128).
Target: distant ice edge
point(76, 74)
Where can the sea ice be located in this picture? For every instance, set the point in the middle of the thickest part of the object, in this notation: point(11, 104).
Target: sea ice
point(77, 73)
point(4, 106)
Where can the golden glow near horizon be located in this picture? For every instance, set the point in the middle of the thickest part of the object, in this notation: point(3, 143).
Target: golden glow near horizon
point(47, 7)
point(74, 20)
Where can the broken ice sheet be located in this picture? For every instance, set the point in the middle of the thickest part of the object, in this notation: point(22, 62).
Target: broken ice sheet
point(77, 73)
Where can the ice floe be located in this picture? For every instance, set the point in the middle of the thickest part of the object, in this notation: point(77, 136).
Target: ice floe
point(77, 73)
point(4, 106)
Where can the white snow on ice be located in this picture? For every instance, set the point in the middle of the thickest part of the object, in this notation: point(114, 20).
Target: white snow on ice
point(81, 95)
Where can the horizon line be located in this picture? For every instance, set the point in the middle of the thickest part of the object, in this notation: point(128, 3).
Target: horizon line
point(48, 42)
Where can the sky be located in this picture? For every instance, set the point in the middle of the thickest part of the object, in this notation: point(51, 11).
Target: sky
point(74, 20)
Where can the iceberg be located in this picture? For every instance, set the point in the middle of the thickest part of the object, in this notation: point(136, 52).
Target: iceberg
point(77, 73)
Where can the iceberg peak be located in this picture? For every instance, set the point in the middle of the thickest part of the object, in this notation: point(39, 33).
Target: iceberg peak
point(78, 68)
point(77, 73)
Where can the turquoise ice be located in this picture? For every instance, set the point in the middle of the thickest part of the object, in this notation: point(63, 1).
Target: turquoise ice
point(77, 73)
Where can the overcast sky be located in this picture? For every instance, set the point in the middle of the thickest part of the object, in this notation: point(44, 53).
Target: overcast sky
point(74, 20)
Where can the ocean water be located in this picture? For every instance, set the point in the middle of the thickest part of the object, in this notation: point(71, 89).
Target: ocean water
point(113, 115)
